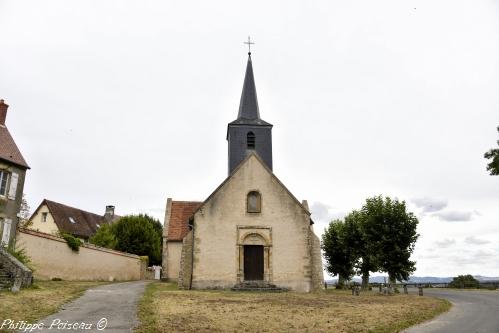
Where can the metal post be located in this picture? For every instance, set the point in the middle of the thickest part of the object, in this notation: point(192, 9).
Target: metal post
point(420, 291)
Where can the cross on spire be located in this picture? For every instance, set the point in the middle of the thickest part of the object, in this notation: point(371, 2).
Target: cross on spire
point(249, 42)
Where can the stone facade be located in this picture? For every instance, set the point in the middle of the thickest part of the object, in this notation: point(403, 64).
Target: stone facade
point(222, 227)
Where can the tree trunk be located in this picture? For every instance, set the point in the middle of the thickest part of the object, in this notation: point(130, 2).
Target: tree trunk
point(391, 283)
point(341, 282)
point(365, 281)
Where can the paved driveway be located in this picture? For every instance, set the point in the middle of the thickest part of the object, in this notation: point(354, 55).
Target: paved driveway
point(472, 312)
point(116, 303)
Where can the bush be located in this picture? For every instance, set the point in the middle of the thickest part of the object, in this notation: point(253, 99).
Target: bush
point(73, 242)
point(20, 254)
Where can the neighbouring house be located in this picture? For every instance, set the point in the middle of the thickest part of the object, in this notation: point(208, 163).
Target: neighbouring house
point(251, 232)
point(12, 175)
point(52, 217)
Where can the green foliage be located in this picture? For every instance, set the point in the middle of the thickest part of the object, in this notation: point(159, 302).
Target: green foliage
point(390, 232)
point(72, 241)
point(338, 245)
point(493, 155)
point(137, 234)
point(464, 281)
point(104, 237)
point(20, 254)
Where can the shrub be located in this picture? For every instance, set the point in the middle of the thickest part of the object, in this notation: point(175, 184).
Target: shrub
point(73, 242)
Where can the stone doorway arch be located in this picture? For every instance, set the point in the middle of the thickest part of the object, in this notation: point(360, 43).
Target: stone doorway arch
point(254, 253)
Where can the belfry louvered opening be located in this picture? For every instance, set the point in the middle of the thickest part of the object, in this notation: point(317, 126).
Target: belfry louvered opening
point(250, 140)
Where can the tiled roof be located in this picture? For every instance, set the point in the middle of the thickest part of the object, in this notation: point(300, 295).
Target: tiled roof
point(85, 223)
point(9, 150)
point(178, 225)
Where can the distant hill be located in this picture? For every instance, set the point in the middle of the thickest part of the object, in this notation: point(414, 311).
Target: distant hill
point(418, 279)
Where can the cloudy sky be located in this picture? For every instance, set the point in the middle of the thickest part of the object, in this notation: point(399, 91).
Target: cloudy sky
point(127, 102)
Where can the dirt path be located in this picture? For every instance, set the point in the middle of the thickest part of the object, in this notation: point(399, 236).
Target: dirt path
point(108, 308)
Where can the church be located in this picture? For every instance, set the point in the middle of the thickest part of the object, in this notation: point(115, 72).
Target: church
point(251, 232)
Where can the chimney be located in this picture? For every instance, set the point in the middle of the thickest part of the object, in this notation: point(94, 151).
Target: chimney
point(109, 215)
point(3, 112)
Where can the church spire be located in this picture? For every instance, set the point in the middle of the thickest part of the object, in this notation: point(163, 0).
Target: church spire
point(248, 106)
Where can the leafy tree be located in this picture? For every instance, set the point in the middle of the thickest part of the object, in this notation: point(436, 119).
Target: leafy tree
point(493, 154)
point(464, 281)
point(24, 213)
point(390, 232)
point(104, 237)
point(137, 234)
point(338, 246)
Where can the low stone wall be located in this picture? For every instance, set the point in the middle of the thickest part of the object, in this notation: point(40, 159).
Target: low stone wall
point(21, 275)
point(52, 258)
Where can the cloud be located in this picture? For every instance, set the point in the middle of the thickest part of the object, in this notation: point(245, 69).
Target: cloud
point(324, 213)
point(454, 216)
point(475, 241)
point(445, 242)
point(429, 205)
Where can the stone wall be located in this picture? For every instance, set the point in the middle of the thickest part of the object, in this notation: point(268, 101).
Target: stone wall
point(317, 273)
point(217, 242)
point(52, 258)
point(22, 275)
point(10, 206)
point(185, 274)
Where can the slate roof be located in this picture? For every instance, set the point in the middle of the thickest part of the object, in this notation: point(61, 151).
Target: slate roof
point(178, 225)
point(9, 150)
point(85, 222)
point(249, 113)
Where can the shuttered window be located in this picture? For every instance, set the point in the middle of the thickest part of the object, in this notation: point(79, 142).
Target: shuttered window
point(3, 182)
point(14, 178)
point(254, 202)
point(6, 231)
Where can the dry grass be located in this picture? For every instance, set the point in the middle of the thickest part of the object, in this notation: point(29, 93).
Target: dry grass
point(40, 300)
point(164, 309)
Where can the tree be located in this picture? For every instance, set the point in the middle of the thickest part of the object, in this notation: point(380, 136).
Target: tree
point(24, 212)
point(464, 281)
point(137, 234)
point(390, 232)
point(104, 237)
point(337, 244)
point(493, 154)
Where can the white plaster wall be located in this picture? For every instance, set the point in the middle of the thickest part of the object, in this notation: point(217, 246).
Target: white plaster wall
point(215, 251)
point(51, 257)
point(174, 254)
point(48, 227)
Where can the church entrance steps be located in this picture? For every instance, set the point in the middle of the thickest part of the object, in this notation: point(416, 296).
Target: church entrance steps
point(257, 286)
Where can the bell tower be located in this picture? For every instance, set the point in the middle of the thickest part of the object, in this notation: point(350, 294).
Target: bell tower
point(248, 133)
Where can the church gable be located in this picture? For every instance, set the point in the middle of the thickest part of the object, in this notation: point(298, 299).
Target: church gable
point(255, 173)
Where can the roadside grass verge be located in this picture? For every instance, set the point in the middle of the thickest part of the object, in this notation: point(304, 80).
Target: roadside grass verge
point(166, 309)
point(41, 299)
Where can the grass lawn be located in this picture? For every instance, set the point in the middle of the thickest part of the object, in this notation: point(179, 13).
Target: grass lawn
point(40, 300)
point(165, 309)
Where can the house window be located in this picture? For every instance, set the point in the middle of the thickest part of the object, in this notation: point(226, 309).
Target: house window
point(254, 202)
point(44, 217)
point(250, 140)
point(3, 182)
point(72, 220)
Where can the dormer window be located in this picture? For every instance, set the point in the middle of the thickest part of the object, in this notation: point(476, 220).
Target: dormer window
point(254, 202)
point(250, 140)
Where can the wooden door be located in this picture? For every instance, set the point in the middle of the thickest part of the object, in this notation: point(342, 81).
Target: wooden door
point(253, 262)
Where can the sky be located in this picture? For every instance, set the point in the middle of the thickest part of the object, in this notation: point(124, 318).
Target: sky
point(126, 103)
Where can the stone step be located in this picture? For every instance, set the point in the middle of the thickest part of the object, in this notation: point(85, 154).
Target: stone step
point(257, 286)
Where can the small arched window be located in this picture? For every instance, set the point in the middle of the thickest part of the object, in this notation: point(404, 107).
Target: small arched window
point(254, 202)
point(250, 140)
